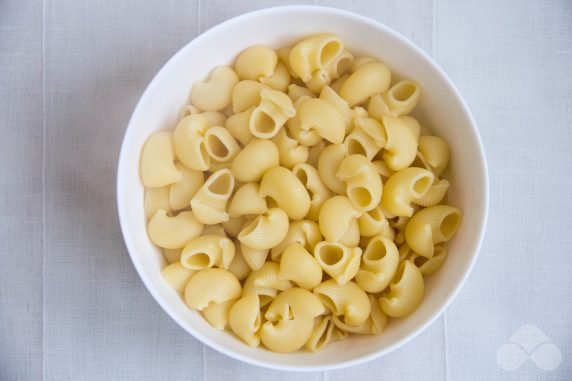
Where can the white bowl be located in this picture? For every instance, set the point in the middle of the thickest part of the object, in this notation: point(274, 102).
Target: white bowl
point(441, 107)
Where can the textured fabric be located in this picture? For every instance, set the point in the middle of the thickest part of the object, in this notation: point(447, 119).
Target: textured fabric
point(71, 304)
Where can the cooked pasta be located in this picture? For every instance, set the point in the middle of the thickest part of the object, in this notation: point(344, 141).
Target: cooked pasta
point(254, 160)
point(214, 93)
point(208, 251)
point(432, 226)
point(209, 203)
point(297, 202)
point(173, 232)
point(158, 161)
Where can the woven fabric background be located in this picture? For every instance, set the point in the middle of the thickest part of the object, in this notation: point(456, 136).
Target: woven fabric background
point(71, 304)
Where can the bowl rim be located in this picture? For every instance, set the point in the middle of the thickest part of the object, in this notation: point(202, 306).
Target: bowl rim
point(324, 10)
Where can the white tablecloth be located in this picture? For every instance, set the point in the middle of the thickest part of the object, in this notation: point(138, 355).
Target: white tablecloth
point(72, 306)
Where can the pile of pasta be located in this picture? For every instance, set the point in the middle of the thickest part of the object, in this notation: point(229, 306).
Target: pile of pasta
point(296, 202)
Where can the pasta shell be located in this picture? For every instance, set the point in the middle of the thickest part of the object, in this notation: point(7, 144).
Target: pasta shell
point(173, 232)
point(157, 161)
point(211, 286)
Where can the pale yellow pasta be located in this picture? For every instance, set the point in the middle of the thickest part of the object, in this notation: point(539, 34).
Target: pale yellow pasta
point(217, 314)
point(209, 203)
point(314, 153)
point(173, 232)
point(305, 232)
point(286, 336)
point(158, 161)
point(187, 110)
point(436, 151)
point(322, 117)
point(214, 118)
point(359, 62)
point(239, 126)
point(290, 151)
point(373, 128)
point(368, 79)
point(363, 183)
point(172, 255)
point(254, 258)
point(378, 318)
point(404, 252)
point(265, 282)
point(338, 83)
point(379, 264)
point(328, 164)
point(217, 229)
point(208, 251)
point(280, 78)
point(294, 303)
point(358, 142)
point(373, 222)
point(432, 226)
point(324, 332)
point(402, 97)
point(246, 94)
point(412, 124)
point(255, 62)
point(338, 66)
point(189, 144)
point(403, 187)
point(245, 319)
point(428, 266)
point(299, 266)
point(177, 276)
point(340, 262)
point(182, 192)
point(401, 146)
point(328, 94)
point(284, 58)
point(338, 221)
point(377, 107)
point(314, 53)
point(282, 186)
point(435, 194)
point(239, 267)
point(155, 199)
point(320, 78)
point(212, 285)
point(318, 192)
point(405, 291)
point(382, 168)
point(265, 231)
point(274, 110)
point(233, 226)
point(347, 300)
point(365, 328)
point(246, 200)
point(215, 92)
point(294, 126)
point(254, 160)
point(295, 92)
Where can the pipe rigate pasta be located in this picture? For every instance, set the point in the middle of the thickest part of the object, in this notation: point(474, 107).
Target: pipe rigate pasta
point(177, 276)
point(402, 97)
point(173, 232)
point(209, 203)
point(297, 202)
point(246, 200)
point(338, 221)
point(405, 291)
point(182, 192)
point(255, 62)
point(347, 300)
point(368, 79)
point(254, 160)
point(314, 53)
point(265, 231)
point(431, 226)
point(379, 263)
point(403, 187)
point(158, 161)
point(338, 261)
point(299, 266)
point(215, 92)
point(155, 199)
point(211, 285)
point(305, 232)
point(208, 251)
point(189, 144)
point(282, 186)
point(363, 183)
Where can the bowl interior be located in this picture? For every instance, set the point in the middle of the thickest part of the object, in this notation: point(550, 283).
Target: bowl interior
point(440, 108)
